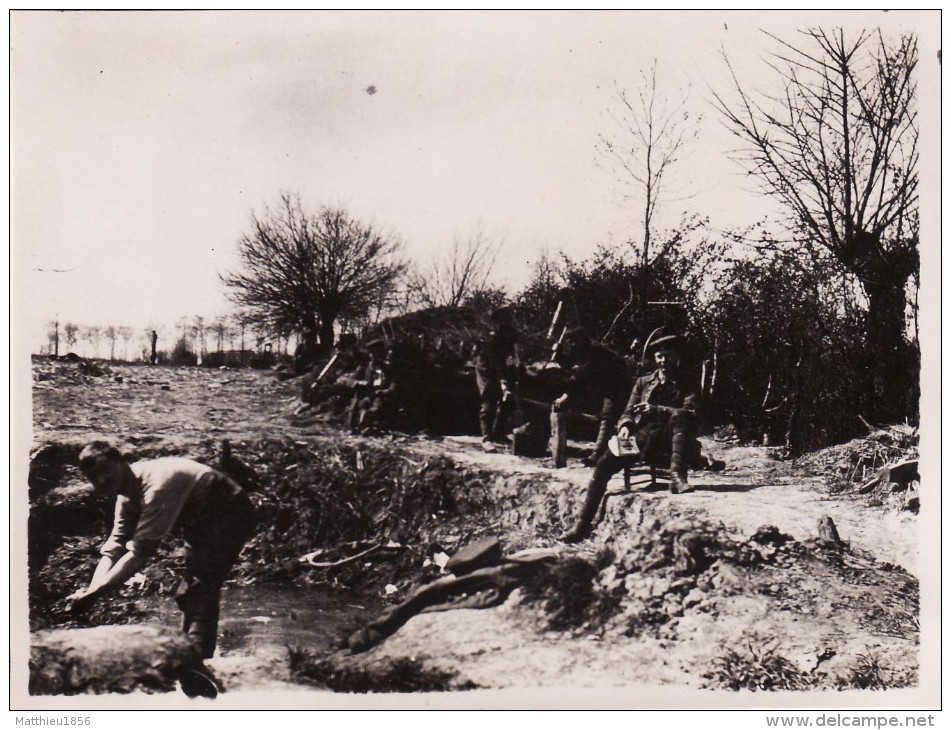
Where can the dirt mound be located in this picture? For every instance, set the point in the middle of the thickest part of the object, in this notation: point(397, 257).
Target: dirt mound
point(341, 673)
point(107, 659)
point(882, 465)
point(50, 464)
point(690, 603)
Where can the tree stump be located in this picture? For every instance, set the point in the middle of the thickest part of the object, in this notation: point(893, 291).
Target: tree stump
point(827, 530)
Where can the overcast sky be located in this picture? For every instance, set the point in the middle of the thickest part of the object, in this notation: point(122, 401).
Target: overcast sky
point(142, 142)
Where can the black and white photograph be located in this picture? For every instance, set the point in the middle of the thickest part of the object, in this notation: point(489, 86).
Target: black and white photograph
point(476, 359)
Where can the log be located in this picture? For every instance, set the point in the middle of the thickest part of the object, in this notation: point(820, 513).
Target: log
point(901, 472)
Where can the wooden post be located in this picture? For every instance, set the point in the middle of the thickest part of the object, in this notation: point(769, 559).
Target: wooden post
point(559, 438)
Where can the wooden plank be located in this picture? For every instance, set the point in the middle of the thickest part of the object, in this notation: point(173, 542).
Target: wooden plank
point(558, 445)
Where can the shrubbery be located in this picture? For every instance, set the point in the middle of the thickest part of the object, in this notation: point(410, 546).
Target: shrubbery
point(782, 337)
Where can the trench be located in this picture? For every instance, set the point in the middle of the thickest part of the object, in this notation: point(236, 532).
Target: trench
point(326, 497)
point(675, 576)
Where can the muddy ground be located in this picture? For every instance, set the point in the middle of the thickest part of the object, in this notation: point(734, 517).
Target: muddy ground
point(729, 588)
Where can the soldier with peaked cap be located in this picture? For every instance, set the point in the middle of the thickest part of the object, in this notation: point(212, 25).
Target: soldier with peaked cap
point(660, 417)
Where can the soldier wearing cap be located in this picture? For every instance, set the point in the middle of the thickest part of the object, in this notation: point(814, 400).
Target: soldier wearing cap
point(660, 416)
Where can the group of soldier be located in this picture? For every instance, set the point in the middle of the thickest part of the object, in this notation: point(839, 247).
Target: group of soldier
point(656, 419)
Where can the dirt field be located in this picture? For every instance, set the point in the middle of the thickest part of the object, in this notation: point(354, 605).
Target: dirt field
point(727, 588)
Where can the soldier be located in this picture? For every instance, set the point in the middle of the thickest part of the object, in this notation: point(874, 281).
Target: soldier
point(306, 352)
point(152, 498)
point(377, 406)
point(660, 417)
point(496, 368)
point(602, 372)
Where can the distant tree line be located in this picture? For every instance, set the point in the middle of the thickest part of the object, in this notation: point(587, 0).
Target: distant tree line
point(190, 341)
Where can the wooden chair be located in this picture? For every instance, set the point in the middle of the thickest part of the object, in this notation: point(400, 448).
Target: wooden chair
point(658, 466)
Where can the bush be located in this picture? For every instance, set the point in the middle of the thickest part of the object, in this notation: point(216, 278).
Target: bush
point(182, 355)
point(755, 669)
point(788, 351)
point(870, 672)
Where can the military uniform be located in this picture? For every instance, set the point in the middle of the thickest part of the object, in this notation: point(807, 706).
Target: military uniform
point(495, 371)
point(669, 427)
point(376, 409)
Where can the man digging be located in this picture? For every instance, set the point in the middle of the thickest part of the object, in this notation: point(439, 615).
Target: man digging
point(152, 498)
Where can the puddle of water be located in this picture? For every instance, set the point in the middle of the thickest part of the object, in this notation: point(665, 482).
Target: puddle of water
point(264, 617)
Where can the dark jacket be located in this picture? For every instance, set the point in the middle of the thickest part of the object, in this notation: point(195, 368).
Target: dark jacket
point(601, 371)
point(495, 354)
point(676, 393)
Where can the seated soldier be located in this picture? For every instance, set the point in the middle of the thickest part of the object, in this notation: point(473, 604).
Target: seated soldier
point(306, 353)
point(603, 373)
point(661, 418)
point(370, 382)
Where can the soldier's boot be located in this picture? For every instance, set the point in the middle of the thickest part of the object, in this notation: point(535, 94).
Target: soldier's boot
point(353, 413)
point(678, 464)
point(485, 428)
point(579, 532)
point(592, 502)
point(500, 424)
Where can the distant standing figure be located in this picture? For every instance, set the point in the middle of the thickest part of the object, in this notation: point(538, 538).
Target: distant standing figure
point(153, 497)
point(496, 368)
point(153, 358)
point(306, 353)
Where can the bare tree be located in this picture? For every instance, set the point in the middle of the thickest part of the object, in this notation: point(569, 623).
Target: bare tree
point(199, 327)
point(221, 329)
point(651, 131)
point(70, 332)
point(52, 334)
point(464, 271)
point(185, 327)
point(125, 334)
point(837, 146)
point(243, 320)
point(111, 334)
point(302, 271)
point(93, 334)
